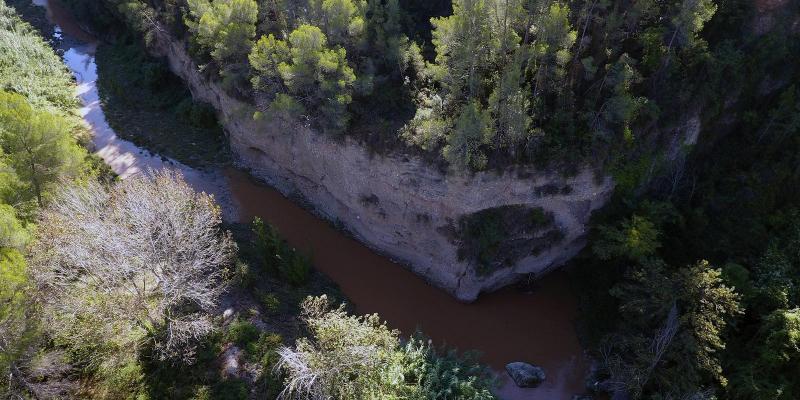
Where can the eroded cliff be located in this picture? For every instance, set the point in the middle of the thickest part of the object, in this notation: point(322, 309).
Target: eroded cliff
point(436, 224)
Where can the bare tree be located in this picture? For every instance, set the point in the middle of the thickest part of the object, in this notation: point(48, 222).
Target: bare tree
point(142, 260)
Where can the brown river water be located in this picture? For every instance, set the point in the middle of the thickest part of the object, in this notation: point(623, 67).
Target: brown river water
point(504, 326)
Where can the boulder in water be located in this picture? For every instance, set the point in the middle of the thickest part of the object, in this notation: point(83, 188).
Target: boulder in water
point(525, 375)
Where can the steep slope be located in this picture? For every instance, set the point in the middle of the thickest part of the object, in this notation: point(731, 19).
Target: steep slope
point(405, 208)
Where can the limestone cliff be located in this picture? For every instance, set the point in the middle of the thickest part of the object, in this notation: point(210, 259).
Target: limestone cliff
point(404, 208)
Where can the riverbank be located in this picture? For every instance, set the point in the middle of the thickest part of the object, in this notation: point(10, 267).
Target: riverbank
point(148, 105)
point(505, 326)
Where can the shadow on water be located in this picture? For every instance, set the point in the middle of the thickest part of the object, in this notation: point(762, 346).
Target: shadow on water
point(504, 326)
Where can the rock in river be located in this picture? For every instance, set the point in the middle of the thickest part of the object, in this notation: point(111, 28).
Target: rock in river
point(525, 375)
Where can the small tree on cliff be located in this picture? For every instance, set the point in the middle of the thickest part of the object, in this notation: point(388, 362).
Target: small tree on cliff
point(142, 259)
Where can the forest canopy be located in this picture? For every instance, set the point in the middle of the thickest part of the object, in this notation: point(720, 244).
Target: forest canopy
point(691, 276)
point(473, 84)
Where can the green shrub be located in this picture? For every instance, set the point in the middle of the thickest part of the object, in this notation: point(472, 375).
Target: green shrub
point(357, 357)
point(202, 393)
point(297, 268)
point(231, 389)
point(269, 301)
point(264, 349)
point(292, 265)
point(241, 333)
point(268, 245)
point(243, 274)
point(444, 374)
point(122, 382)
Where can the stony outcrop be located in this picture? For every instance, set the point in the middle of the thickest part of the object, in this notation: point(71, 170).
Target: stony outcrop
point(526, 375)
point(401, 206)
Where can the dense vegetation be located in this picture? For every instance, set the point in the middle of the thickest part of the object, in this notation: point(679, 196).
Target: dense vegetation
point(148, 105)
point(40, 133)
point(669, 325)
point(113, 290)
point(690, 282)
point(488, 84)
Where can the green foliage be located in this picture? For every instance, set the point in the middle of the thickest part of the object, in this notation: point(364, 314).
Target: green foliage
point(267, 54)
point(297, 268)
point(244, 275)
point(464, 48)
point(241, 333)
point(124, 381)
point(264, 350)
point(487, 235)
point(231, 389)
point(38, 146)
point(29, 67)
point(38, 117)
point(343, 21)
point(463, 148)
point(485, 242)
point(277, 257)
point(672, 328)
point(776, 349)
point(553, 37)
point(445, 374)
point(313, 73)
point(269, 301)
point(509, 106)
point(16, 327)
point(361, 358)
point(38, 152)
point(268, 245)
point(634, 239)
point(225, 30)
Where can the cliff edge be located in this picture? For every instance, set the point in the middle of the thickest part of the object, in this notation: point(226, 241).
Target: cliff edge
point(465, 233)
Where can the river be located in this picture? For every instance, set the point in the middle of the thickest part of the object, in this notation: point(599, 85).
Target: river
point(505, 326)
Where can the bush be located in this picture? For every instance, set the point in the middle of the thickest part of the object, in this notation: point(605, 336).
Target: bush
point(264, 350)
point(269, 301)
point(202, 393)
point(231, 389)
point(293, 266)
point(356, 357)
point(297, 268)
point(241, 333)
point(243, 274)
point(97, 297)
point(268, 245)
point(122, 382)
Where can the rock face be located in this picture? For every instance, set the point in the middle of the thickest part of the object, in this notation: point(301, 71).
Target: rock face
point(526, 375)
point(400, 206)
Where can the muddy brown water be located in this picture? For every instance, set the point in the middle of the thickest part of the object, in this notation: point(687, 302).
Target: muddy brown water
point(504, 326)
